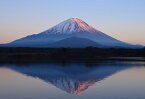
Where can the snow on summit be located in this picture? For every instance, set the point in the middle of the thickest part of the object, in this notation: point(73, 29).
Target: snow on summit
point(72, 25)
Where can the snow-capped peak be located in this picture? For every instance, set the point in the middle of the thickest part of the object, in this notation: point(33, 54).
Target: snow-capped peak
point(72, 25)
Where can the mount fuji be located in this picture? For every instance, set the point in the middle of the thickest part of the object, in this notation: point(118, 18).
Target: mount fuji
point(73, 33)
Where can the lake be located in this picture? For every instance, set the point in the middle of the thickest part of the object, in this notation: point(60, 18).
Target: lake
point(100, 80)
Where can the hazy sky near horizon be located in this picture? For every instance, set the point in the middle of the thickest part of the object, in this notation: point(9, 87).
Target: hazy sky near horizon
point(122, 19)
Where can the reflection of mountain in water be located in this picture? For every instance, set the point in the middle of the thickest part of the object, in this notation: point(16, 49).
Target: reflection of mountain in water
point(74, 78)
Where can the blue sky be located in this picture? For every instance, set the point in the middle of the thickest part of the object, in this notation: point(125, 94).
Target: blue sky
point(122, 19)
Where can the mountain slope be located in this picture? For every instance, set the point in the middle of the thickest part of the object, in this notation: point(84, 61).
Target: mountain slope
point(75, 42)
point(72, 27)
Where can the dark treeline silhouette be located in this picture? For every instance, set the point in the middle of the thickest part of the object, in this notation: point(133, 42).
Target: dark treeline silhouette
point(65, 54)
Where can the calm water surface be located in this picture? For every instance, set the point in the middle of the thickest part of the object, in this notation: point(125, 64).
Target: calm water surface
point(102, 80)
